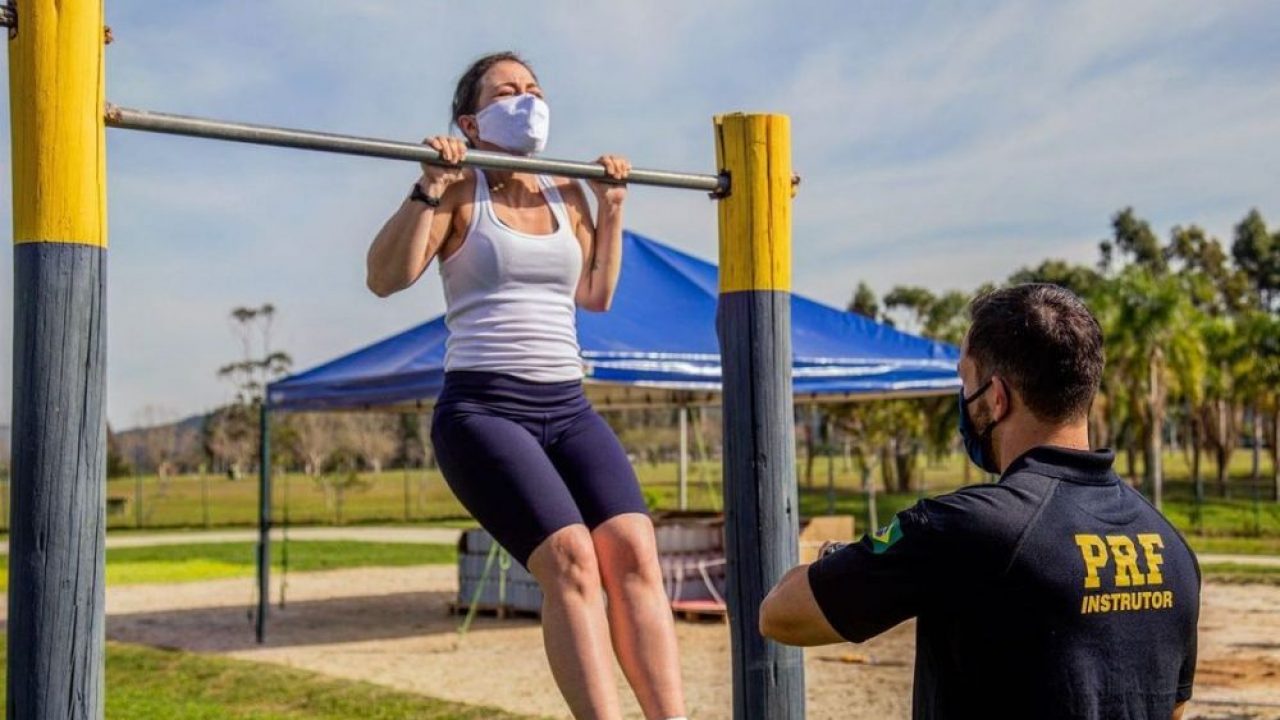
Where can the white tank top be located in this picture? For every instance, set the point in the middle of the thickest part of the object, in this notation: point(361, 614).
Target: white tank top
point(509, 295)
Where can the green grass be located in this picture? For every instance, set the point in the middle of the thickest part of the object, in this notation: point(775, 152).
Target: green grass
point(1235, 545)
point(211, 561)
point(421, 496)
point(1241, 573)
point(145, 683)
point(214, 501)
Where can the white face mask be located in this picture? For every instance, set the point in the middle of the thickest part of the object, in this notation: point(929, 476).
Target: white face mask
point(517, 124)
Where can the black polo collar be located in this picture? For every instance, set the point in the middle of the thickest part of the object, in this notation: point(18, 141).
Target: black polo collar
point(1090, 467)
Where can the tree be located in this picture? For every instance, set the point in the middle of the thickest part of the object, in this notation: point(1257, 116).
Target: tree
point(1217, 414)
point(1215, 287)
point(864, 302)
point(912, 301)
point(255, 368)
point(373, 437)
point(231, 434)
point(1144, 317)
point(158, 435)
point(941, 317)
point(411, 443)
point(1134, 239)
point(1257, 253)
point(315, 437)
point(1079, 279)
point(116, 464)
point(230, 437)
point(892, 429)
point(1257, 370)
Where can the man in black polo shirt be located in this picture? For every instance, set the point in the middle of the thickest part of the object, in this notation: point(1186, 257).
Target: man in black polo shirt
point(1058, 591)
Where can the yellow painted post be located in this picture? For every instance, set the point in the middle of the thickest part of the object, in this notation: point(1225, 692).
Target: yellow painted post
point(55, 667)
point(754, 326)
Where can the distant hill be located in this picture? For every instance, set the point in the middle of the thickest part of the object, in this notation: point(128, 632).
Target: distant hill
point(132, 443)
point(191, 424)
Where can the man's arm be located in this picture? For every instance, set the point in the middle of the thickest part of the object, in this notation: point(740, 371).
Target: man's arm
point(790, 614)
point(858, 591)
point(1177, 710)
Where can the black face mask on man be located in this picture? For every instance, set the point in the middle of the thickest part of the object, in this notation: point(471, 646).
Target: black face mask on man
point(977, 444)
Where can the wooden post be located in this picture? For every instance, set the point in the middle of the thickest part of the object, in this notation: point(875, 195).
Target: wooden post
point(754, 326)
point(57, 513)
point(264, 520)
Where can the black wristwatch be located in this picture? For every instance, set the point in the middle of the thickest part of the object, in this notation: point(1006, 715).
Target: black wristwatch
point(830, 547)
point(417, 194)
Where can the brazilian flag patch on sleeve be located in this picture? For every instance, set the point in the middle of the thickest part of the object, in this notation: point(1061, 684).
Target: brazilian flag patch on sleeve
point(885, 537)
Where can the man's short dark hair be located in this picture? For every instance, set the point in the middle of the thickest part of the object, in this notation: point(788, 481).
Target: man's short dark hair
point(1043, 341)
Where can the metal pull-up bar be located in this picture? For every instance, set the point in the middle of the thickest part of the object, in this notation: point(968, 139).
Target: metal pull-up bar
point(158, 122)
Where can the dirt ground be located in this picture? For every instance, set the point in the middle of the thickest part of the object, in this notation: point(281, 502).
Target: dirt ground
point(390, 626)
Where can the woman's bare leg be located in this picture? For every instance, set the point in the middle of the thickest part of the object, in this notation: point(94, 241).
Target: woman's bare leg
point(640, 622)
point(574, 627)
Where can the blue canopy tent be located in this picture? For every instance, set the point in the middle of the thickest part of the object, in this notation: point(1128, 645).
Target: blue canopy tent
point(656, 345)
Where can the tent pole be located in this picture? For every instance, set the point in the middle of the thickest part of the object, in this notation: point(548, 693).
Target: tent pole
point(264, 519)
point(829, 446)
point(684, 457)
point(869, 483)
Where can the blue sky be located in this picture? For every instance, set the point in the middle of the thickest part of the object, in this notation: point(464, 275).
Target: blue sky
point(941, 144)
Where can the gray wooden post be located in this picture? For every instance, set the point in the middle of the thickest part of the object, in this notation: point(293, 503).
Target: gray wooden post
point(57, 511)
point(754, 327)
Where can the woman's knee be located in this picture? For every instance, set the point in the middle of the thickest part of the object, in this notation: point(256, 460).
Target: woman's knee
point(566, 563)
point(627, 551)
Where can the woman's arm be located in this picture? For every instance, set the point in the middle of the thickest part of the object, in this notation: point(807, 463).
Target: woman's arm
point(601, 240)
point(415, 233)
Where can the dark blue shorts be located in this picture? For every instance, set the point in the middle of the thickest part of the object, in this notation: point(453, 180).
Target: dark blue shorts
point(527, 459)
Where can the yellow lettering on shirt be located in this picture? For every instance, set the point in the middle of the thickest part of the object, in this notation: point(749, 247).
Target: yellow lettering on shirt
point(1151, 544)
point(1094, 552)
point(1126, 556)
point(1131, 601)
point(1098, 551)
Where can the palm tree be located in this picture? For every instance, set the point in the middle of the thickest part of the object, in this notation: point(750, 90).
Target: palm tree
point(1146, 317)
point(1217, 414)
point(1257, 369)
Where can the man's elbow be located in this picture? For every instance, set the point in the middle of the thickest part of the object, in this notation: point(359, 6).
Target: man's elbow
point(777, 625)
point(771, 626)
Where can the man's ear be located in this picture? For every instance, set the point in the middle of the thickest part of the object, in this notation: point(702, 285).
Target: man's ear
point(1001, 399)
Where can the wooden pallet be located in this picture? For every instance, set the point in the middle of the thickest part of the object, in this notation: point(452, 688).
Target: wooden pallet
point(700, 610)
point(495, 611)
